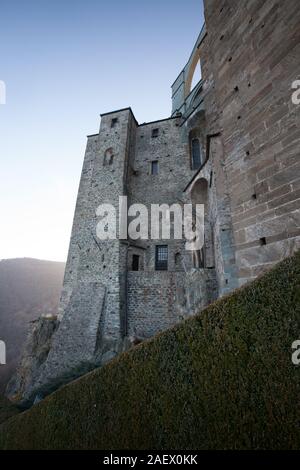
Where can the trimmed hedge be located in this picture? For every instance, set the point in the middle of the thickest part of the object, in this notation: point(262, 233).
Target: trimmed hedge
point(223, 379)
point(7, 409)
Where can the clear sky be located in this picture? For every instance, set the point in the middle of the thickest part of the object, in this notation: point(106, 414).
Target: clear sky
point(64, 62)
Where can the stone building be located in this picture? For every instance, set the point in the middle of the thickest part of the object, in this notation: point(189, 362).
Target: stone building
point(232, 144)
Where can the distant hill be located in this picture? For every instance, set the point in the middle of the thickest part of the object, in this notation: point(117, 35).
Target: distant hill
point(28, 288)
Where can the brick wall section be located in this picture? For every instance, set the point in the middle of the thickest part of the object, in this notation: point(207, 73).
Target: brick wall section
point(158, 300)
point(251, 54)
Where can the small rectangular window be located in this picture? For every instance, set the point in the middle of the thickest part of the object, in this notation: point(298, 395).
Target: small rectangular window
point(114, 122)
point(154, 168)
point(161, 258)
point(155, 133)
point(135, 262)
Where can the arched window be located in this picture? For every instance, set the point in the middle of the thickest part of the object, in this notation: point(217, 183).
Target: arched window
point(196, 75)
point(193, 73)
point(196, 154)
point(108, 157)
point(205, 256)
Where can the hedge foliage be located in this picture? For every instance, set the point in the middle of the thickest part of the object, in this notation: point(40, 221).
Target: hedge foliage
point(7, 409)
point(221, 380)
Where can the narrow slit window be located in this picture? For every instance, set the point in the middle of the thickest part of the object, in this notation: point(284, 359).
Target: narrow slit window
point(135, 263)
point(154, 168)
point(196, 154)
point(161, 258)
point(114, 122)
point(155, 133)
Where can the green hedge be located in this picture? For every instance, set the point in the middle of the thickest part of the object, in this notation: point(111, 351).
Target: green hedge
point(223, 379)
point(7, 409)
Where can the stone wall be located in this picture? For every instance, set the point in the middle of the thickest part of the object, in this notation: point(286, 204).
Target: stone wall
point(251, 57)
point(158, 300)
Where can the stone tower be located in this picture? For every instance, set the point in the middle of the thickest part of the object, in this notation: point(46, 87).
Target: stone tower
point(91, 313)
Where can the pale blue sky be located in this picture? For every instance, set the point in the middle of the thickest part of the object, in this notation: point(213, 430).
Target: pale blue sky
point(65, 62)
